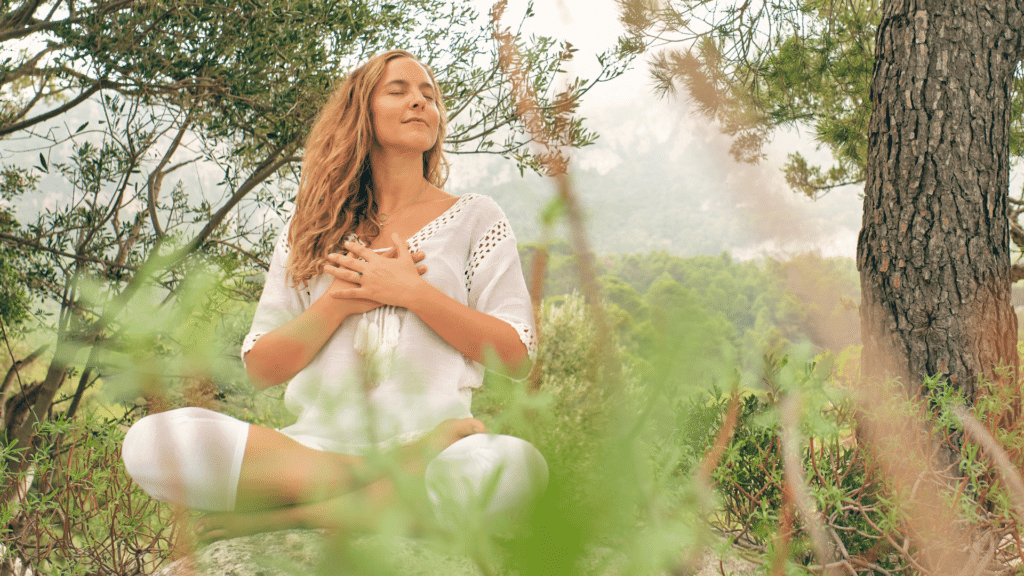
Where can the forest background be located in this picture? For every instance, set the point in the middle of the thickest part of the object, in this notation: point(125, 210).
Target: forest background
point(699, 399)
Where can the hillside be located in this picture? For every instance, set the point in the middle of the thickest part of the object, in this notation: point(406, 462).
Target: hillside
point(658, 179)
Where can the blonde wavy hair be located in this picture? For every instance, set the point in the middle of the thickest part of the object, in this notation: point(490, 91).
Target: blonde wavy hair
point(335, 197)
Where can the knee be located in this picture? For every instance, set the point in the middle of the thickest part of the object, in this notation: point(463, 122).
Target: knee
point(151, 438)
point(499, 476)
point(188, 456)
point(159, 434)
point(138, 446)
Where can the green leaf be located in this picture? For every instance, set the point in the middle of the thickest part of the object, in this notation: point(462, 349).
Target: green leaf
point(553, 211)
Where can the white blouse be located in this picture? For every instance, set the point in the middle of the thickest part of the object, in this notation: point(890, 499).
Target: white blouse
point(384, 377)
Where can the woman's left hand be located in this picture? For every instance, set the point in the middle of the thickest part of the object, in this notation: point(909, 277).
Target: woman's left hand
point(386, 280)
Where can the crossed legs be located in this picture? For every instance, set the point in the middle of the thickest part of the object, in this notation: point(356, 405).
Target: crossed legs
point(254, 479)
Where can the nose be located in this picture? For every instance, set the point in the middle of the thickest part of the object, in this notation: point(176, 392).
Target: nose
point(419, 101)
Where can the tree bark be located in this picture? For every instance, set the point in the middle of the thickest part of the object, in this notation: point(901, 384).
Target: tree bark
point(934, 250)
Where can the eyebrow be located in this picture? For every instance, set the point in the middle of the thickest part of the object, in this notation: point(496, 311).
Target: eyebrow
point(401, 82)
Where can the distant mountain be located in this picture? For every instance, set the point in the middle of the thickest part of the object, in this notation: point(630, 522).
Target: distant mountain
point(660, 180)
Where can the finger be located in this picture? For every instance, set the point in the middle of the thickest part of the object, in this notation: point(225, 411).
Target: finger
point(344, 274)
point(361, 251)
point(418, 256)
point(348, 294)
point(422, 269)
point(401, 246)
point(346, 261)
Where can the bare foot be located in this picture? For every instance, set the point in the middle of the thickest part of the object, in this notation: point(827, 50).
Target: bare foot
point(450, 431)
point(358, 511)
point(214, 526)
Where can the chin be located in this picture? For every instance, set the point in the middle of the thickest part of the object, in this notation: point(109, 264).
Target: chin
point(404, 148)
point(420, 147)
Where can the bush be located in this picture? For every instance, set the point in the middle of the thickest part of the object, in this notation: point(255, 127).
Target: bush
point(892, 484)
point(895, 483)
point(77, 511)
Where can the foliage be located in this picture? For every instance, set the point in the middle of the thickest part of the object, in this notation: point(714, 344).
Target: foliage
point(644, 443)
point(14, 300)
point(874, 518)
point(599, 512)
point(82, 514)
point(757, 68)
point(875, 513)
point(745, 306)
point(149, 140)
point(624, 450)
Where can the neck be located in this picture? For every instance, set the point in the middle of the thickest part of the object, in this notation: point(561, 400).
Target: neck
point(396, 180)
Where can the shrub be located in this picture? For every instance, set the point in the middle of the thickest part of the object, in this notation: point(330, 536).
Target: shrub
point(895, 484)
point(77, 511)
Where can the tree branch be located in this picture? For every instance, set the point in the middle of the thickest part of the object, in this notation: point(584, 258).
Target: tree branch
point(266, 170)
point(128, 243)
point(155, 262)
point(28, 68)
point(259, 262)
point(20, 16)
point(17, 30)
point(15, 371)
point(115, 205)
point(1016, 272)
point(156, 178)
point(19, 241)
point(99, 85)
point(469, 99)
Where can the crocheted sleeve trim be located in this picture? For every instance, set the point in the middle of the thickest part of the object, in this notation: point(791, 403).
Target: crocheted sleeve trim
point(498, 232)
point(528, 336)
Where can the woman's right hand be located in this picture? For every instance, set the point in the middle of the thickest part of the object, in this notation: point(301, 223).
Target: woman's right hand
point(280, 354)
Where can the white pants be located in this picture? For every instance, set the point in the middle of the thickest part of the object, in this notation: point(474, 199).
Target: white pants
point(193, 457)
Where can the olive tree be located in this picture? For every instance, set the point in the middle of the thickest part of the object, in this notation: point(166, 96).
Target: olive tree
point(145, 139)
point(918, 102)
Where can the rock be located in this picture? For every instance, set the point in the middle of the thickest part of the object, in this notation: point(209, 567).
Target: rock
point(603, 561)
point(294, 552)
point(291, 552)
point(267, 554)
point(712, 564)
point(13, 565)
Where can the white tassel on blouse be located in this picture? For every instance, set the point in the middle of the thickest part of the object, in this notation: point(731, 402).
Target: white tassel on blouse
point(376, 338)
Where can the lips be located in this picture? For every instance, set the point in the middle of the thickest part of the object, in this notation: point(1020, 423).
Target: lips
point(420, 120)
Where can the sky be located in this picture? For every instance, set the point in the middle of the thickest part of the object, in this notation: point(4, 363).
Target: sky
point(592, 27)
point(786, 223)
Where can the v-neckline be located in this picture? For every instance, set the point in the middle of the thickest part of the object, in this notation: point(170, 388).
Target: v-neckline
point(429, 229)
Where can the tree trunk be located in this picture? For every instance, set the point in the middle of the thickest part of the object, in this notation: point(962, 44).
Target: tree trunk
point(934, 251)
point(36, 411)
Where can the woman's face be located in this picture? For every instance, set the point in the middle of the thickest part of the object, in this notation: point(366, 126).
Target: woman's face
point(404, 109)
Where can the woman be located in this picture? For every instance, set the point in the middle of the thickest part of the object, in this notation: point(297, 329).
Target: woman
point(384, 296)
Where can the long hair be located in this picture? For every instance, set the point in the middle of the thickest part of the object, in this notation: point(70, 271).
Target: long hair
point(335, 196)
